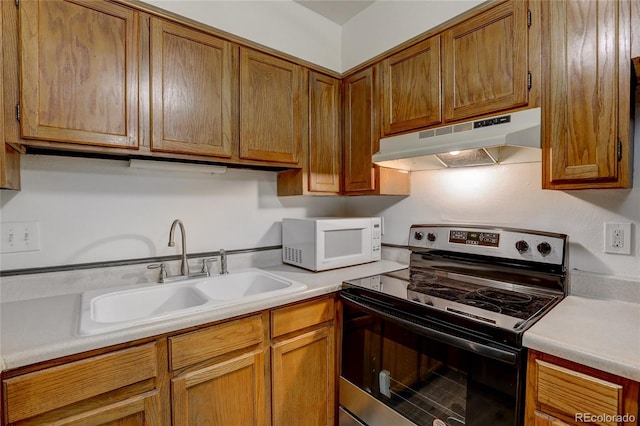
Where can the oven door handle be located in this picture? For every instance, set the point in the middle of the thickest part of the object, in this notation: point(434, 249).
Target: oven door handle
point(498, 354)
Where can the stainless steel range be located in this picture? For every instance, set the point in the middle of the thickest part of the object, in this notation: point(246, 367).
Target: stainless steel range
point(440, 343)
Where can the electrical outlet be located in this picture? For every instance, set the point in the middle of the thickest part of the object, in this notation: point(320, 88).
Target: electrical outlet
point(617, 238)
point(20, 236)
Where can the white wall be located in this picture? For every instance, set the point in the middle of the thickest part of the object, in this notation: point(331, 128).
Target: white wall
point(510, 195)
point(97, 210)
point(282, 25)
point(388, 23)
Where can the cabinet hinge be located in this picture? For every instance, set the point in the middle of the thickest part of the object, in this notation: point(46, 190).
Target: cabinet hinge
point(18, 111)
point(17, 3)
point(529, 80)
point(619, 150)
point(528, 18)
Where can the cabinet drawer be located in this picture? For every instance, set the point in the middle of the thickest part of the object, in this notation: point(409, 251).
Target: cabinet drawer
point(46, 390)
point(201, 345)
point(297, 317)
point(571, 392)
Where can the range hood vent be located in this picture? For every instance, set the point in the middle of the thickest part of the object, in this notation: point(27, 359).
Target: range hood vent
point(503, 139)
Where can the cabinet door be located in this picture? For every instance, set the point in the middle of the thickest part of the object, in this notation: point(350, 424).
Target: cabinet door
point(9, 158)
point(485, 62)
point(360, 131)
point(79, 72)
point(117, 385)
point(411, 88)
point(193, 91)
point(303, 379)
point(586, 93)
point(325, 143)
point(227, 393)
point(273, 108)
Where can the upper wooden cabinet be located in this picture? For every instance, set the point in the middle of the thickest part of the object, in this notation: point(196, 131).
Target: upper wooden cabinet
point(411, 88)
point(484, 62)
point(362, 139)
point(273, 108)
point(586, 99)
point(360, 131)
point(79, 72)
point(9, 158)
point(322, 155)
point(193, 91)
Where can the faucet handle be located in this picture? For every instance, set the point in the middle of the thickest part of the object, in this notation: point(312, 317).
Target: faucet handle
point(205, 265)
point(163, 270)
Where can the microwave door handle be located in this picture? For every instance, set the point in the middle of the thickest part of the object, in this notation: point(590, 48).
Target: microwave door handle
point(504, 356)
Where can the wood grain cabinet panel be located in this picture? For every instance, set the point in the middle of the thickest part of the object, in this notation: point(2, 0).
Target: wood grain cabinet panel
point(561, 392)
point(273, 108)
point(303, 379)
point(79, 392)
point(321, 170)
point(79, 72)
point(325, 143)
point(484, 62)
point(9, 158)
point(411, 88)
point(586, 94)
point(193, 91)
point(231, 392)
point(360, 131)
point(303, 371)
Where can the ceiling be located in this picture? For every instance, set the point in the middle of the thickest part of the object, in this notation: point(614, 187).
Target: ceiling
point(338, 11)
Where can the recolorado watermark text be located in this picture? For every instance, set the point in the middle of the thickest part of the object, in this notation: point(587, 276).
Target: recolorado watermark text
point(604, 418)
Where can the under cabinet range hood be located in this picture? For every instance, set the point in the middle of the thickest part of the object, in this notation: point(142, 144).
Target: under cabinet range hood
point(503, 139)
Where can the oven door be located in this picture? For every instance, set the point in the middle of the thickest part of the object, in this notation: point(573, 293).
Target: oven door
point(400, 370)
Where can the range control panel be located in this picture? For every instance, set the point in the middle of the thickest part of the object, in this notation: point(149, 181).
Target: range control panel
point(490, 239)
point(508, 243)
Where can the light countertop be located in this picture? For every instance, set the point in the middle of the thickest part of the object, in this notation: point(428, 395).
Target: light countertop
point(41, 329)
point(603, 334)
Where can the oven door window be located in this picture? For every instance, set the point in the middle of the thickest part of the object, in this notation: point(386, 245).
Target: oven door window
point(426, 381)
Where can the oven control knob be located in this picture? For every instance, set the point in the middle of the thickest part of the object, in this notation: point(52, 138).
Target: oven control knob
point(431, 237)
point(418, 235)
point(544, 248)
point(522, 246)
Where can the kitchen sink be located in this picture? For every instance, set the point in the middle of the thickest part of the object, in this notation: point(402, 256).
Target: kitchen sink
point(114, 309)
point(242, 285)
point(148, 302)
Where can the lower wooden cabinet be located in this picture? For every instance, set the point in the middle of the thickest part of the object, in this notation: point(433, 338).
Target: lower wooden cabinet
point(219, 374)
point(230, 392)
point(303, 364)
point(272, 368)
point(561, 392)
point(123, 387)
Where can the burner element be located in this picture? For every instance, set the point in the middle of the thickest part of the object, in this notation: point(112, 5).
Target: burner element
point(503, 296)
point(487, 306)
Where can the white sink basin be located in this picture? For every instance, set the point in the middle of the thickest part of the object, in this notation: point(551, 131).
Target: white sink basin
point(112, 309)
point(148, 302)
point(243, 285)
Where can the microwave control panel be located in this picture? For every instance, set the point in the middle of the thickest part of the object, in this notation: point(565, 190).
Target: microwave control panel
point(376, 238)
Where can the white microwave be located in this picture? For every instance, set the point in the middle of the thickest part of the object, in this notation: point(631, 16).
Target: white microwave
point(326, 243)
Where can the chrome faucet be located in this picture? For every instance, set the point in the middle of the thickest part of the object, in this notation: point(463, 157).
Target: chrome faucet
point(184, 266)
point(223, 262)
point(164, 276)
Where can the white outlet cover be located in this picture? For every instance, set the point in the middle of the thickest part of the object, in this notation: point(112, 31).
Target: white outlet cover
point(614, 245)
